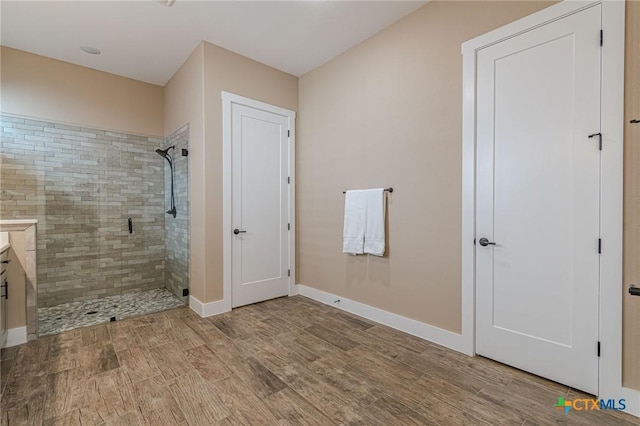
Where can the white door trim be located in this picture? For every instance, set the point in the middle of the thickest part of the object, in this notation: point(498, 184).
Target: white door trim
point(227, 100)
point(613, 20)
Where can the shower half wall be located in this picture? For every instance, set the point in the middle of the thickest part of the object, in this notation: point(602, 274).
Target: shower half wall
point(83, 185)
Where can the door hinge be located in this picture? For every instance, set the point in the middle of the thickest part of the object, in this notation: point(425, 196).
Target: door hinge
point(601, 37)
point(289, 179)
point(598, 348)
point(289, 273)
point(288, 227)
point(288, 133)
point(599, 245)
point(599, 135)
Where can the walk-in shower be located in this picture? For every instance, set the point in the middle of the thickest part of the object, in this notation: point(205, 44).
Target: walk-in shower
point(106, 249)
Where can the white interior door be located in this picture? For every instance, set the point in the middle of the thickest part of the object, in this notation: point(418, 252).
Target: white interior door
point(538, 200)
point(260, 205)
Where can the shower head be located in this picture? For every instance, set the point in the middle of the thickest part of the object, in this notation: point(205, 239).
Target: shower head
point(165, 152)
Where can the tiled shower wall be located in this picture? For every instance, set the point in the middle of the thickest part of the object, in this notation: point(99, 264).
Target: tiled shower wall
point(82, 185)
point(177, 229)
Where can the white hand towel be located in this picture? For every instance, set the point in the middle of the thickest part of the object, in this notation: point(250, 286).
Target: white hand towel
point(374, 237)
point(354, 222)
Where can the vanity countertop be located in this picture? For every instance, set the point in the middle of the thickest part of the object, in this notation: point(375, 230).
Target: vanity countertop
point(17, 224)
point(18, 221)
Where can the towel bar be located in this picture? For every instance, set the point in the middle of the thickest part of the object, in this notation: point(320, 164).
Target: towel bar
point(634, 291)
point(386, 190)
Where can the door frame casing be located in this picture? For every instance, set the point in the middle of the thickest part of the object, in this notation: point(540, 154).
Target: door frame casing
point(612, 118)
point(228, 99)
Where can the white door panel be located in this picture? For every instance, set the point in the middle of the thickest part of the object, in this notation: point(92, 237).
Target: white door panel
point(538, 195)
point(261, 186)
point(260, 199)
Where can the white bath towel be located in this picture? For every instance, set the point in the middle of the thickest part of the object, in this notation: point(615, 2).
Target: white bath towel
point(354, 222)
point(374, 236)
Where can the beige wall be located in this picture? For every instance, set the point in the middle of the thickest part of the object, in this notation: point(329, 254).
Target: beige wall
point(211, 71)
point(40, 87)
point(183, 103)
point(388, 112)
point(631, 307)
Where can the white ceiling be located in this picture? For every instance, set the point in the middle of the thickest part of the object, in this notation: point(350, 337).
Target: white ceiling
point(148, 41)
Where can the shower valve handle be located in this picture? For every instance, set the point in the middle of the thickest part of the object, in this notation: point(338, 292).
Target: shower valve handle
point(237, 231)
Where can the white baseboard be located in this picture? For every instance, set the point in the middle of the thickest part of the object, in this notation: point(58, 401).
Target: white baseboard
point(16, 336)
point(208, 309)
point(294, 290)
point(419, 329)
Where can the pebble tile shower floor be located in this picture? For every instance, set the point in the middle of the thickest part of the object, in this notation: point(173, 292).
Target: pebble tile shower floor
point(68, 316)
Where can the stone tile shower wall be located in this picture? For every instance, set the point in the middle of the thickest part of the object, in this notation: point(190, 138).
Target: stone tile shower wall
point(82, 185)
point(177, 230)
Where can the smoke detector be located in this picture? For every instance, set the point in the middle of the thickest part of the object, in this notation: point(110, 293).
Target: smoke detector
point(91, 50)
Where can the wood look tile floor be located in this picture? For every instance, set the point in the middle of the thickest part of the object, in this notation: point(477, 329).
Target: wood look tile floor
point(286, 361)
